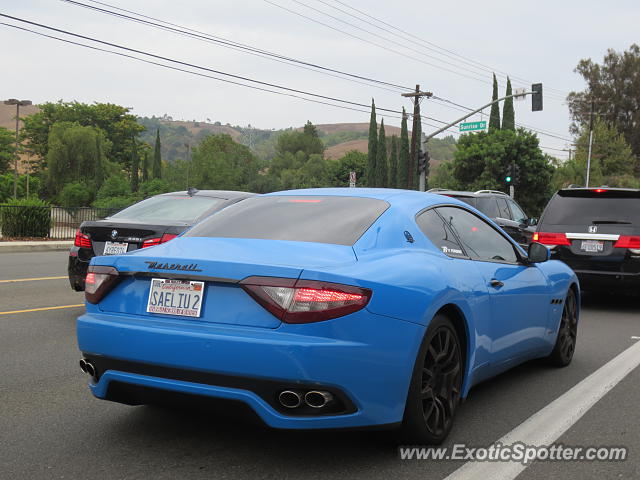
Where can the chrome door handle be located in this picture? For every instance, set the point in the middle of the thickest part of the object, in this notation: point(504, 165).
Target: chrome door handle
point(496, 283)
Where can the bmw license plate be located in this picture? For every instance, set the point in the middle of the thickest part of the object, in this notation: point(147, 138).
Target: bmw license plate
point(175, 297)
point(115, 248)
point(592, 246)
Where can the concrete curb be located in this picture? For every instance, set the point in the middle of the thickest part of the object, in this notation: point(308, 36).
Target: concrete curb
point(21, 247)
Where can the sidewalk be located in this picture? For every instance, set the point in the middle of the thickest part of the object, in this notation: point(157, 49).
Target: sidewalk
point(35, 246)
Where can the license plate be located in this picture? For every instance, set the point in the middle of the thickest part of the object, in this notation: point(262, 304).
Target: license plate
point(115, 248)
point(175, 297)
point(593, 246)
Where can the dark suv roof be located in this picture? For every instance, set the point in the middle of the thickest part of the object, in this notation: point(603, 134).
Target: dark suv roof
point(225, 194)
point(479, 193)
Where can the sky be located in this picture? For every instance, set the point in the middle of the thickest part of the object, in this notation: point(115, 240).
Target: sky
point(448, 48)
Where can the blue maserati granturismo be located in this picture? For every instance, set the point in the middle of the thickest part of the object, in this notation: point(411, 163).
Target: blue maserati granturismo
point(327, 308)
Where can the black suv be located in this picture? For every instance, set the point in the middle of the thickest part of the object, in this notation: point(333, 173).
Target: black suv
point(500, 208)
point(596, 231)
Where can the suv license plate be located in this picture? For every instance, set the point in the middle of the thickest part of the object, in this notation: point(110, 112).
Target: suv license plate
point(592, 246)
point(175, 297)
point(115, 248)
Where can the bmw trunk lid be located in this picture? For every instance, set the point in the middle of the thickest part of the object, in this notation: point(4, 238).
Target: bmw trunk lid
point(221, 264)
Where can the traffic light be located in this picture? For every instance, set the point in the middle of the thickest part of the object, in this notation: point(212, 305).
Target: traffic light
point(423, 160)
point(536, 97)
point(508, 175)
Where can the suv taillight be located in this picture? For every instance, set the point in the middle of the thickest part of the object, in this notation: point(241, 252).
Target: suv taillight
point(305, 301)
point(551, 238)
point(628, 241)
point(99, 281)
point(82, 240)
point(152, 242)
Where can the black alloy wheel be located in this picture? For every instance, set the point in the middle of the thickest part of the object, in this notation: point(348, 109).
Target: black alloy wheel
point(565, 346)
point(437, 382)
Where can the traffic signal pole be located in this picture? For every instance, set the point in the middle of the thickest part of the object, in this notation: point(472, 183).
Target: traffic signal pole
point(413, 156)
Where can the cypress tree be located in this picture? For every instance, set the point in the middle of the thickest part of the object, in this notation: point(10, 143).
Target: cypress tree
point(392, 178)
point(373, 148)
point(494, 118)
point(403, 156)
point(157, 160)
point(135, 162)
point(508, 113)
point(382, 166)
point(416, 174)
point(145, 165)
point(99, 163)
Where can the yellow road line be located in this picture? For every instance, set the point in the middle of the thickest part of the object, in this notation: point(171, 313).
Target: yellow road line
point(42, 309)
point(31, 279)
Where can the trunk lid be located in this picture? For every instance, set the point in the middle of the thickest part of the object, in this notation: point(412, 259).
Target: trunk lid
point(220, 263)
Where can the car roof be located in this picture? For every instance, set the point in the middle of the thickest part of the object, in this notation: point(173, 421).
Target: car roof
point(225, 194)
point(601, 188)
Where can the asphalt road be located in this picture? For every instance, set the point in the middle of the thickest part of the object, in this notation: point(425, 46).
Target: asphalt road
point(51, 427)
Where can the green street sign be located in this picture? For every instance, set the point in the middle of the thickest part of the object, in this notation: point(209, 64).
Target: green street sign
point(470, 126)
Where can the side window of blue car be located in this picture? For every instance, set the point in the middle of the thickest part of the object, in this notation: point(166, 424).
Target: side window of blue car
point(479, 239)
point(433, 226)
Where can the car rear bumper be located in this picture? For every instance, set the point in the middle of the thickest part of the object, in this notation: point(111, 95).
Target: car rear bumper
point(364, 360)
point(599, 280)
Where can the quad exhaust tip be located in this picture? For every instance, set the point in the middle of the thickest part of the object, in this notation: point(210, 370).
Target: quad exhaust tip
point(317, 399)
point(290, 399)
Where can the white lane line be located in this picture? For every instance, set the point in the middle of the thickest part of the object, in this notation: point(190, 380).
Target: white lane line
point(547, 425)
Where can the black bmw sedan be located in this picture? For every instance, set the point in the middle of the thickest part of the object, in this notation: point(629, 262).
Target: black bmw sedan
point(147, 223)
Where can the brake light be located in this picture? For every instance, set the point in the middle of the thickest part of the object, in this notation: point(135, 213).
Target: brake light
point(628, 241)
point(551, 238)
point(99, 281)
point(152, 242)
point(82, 240)
point(599, 190)
point(305, 301)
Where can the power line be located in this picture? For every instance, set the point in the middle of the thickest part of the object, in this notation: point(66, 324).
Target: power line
point(156, 63)
point(434, 46)
point(203, 36)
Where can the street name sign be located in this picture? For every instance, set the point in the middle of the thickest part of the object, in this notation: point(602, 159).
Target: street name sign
point(470, 126)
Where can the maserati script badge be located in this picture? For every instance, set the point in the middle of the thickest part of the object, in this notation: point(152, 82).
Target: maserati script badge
point(192, 267)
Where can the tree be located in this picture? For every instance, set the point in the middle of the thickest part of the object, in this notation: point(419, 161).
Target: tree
point(135, 162)
point(382, 165)
point(338, 170)
point(482, 158)
point(494, 117)
point(508, 113)
point(119, 126)
point(403, 156)
point(614, 87)
point(612, 161)
point(145, 163)
point(393, 163)
point(372, 152)
point(75, 154)
point(306, 141)
point(7, 149)
point(310, 129)
point(157, 160)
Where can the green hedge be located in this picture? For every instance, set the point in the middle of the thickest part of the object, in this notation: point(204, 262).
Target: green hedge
point(25, 218)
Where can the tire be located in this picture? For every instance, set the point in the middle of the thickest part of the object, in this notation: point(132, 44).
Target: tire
point(436, 383)
point(565, 345)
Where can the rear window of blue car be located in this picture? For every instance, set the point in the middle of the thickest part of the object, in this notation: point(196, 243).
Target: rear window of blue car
point(334, 220)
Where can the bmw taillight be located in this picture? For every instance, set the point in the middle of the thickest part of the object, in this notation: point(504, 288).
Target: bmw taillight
point(305, 301)
point(628, 241)
point(152, 242)
point(82, 240)
point(99, 281)
point(551, 238)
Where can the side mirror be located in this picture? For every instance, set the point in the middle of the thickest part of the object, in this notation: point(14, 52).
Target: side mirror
point(538, 253)
point(532, 222)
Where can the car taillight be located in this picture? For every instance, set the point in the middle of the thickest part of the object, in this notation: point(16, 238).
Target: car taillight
point(152, 242)
point(99, 281)
point(305, 301)
point(551, 238)
point(628, 241)
point(82, 240)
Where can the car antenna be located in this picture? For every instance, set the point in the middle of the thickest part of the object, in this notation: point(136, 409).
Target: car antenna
point(192, 191)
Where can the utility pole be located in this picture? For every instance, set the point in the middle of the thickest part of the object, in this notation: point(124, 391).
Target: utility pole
point(590, 142)
point(413, 156)
point(18, 104)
